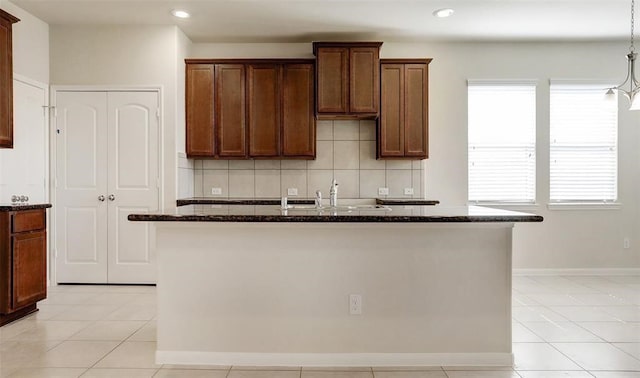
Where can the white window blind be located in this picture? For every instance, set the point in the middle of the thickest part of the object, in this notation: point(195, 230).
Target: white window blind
point(584, 144)
point(502, 141)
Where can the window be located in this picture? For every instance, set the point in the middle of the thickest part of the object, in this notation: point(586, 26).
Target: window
point(584, 144)
point(502, 141)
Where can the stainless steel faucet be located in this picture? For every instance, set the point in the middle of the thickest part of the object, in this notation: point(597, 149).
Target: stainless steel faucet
point(333, 194)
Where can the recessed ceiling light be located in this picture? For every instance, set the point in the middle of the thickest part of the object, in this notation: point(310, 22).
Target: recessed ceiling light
point(180, 13)
point(444, 12)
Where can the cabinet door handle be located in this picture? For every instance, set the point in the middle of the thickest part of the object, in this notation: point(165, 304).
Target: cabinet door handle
point(112, 197)
point(101, 198)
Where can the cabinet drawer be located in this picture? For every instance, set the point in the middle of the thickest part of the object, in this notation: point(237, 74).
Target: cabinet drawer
point(29, 220)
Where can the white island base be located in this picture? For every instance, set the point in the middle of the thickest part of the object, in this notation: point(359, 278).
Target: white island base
point(277, 294)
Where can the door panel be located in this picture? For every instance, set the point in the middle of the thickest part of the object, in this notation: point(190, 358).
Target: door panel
point(264, 110)
point(364, 79)
point(133, 183)
point(29, 268)
point(415, 100)
point(132, 142)
point(81, 155)
point(298, 126)
point(391, 130)
point(199, 110)
point(230, 116)
point(332, 74)
point(83, 236)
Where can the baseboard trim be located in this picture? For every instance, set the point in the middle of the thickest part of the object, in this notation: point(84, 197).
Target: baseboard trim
point(333, 359)
point(578, 272)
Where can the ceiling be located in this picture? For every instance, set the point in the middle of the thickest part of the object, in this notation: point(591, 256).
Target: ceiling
point(388, 20)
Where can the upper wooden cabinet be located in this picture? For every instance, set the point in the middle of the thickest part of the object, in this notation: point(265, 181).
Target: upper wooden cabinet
point(249, 108)
point(199, 110)
point(402, 131)
point(6, 79)
point(348, 79)
point(215, 110)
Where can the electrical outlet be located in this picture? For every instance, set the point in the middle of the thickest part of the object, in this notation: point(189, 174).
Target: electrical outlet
point(216, 191)
point(355, 304)
point(626, 243)
point(383, 191)
point(292, 191)
point(408, 191)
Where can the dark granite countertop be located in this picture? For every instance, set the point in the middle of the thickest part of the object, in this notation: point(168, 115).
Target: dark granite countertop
point(394, 214)
point(294, 201)
point(414, 201)
point(240, 201)
point(27, 206)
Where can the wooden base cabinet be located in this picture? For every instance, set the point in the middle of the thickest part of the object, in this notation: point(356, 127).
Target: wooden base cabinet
point(404, 118)
point(23, 262)
point(6, 79)
point(348, 79)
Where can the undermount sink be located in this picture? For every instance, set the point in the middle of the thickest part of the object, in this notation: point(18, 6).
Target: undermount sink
point(339, 208)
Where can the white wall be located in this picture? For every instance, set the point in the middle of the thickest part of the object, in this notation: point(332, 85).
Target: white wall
point(566, 239)
point(127, 56)
point(185, 179)
point(24, 168)
point(30, 44)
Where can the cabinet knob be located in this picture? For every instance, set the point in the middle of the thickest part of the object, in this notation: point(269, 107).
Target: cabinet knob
point(112, 197)
point(101, 198)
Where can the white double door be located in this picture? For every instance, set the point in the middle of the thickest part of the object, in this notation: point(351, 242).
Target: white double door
point(106, 168)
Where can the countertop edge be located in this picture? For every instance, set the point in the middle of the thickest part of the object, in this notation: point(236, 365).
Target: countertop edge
point(333, 219)
point(34, 206)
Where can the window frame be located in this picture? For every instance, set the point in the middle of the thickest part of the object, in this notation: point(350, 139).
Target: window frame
point(520, 204)
point(577, 204)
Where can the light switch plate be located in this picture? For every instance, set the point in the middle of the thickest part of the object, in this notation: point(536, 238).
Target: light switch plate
point(216, 191)
point(383, 191)
point(408, 191)
point(292, 191)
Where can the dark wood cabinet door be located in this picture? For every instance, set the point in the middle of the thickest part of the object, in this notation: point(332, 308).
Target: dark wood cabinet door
point(416, 116)
point(298, 125)
point(391, 132)
point(29, 268)
point(230, 113)
point(364, 81)
point(264, 109)
point(6, 80)
point(332, 78)
point(404, 118)
point(200, 110)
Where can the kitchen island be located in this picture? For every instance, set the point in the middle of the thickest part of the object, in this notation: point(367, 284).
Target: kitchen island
point(403, 285)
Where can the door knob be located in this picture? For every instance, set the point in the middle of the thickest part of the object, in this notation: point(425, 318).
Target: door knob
point(101, 198)
point(111, 197)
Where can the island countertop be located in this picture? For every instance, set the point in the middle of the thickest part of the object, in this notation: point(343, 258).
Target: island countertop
point(393, 214)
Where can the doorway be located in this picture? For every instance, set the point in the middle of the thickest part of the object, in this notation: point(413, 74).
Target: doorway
point(106, 167)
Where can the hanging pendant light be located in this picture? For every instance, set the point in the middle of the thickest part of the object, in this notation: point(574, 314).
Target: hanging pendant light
point(633, 92)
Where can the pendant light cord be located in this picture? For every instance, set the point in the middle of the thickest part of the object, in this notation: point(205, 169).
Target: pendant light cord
point(633, 21)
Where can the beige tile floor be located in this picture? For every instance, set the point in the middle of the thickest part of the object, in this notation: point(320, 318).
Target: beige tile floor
point(582, 326)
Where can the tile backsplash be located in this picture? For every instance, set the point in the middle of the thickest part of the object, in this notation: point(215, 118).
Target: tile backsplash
point(346, 151)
